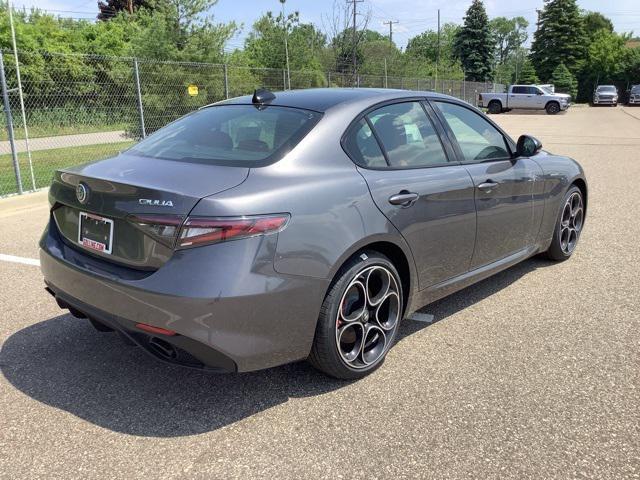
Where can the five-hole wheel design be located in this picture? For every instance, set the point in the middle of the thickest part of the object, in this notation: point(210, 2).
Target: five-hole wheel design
point(571, 223)
point(368, 313)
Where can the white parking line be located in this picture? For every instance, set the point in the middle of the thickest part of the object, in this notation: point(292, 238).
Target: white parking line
point(23, 260)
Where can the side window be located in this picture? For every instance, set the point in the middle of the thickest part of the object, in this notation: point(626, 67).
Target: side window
point(519, 90)
point(363, 147)
point(477, 138)
point(407, 136)
point(532, 90)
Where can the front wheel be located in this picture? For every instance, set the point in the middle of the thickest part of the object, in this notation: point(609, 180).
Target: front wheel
point(568, 226)
point(552, 108)
point(359, 318)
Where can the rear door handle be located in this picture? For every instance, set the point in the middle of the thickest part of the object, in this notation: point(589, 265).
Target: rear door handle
point(404, 198)
point(488, 186)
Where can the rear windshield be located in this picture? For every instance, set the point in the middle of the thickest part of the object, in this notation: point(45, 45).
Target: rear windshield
point(231, 135)
point(607, 88)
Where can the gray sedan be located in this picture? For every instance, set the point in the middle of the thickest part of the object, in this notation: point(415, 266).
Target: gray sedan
point(306, 224)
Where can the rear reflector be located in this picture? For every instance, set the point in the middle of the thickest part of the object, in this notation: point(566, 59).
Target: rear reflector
point(198, 231)
point(156, 330)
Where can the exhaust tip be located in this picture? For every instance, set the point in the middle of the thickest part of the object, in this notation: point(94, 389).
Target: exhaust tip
point(162, 348)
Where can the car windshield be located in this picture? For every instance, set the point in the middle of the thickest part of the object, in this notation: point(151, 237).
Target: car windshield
point(606, 89)
point(546, 90)
point(230, 135)
point(635, 89)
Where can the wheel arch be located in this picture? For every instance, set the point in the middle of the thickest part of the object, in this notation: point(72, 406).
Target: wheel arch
point(397, 252)
point(582, 185)
point(550, 102)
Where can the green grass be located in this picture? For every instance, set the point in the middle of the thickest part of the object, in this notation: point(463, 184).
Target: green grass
point(37, 131)
point(46, 161)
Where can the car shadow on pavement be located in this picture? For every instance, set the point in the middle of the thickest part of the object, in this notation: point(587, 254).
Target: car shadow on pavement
point(63, 362)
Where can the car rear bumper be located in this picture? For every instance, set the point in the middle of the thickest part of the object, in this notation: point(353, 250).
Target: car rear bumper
point(230, 309)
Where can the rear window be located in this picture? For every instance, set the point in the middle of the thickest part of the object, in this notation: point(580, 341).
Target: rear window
point(231, 135)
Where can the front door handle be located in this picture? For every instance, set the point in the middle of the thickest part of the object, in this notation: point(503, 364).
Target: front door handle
point(488, 186)
point(404, 198)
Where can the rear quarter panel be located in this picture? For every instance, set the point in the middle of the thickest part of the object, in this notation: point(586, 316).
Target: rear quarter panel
point(332, 212)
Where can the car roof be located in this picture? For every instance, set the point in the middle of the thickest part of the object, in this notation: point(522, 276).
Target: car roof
point(322, 99)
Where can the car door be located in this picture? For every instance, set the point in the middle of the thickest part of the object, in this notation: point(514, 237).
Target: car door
point(504, 186)
point(538, 98)
point(427, 197)
point(520, 97)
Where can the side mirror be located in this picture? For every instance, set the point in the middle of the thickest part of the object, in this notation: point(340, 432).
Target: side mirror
point(528, 146)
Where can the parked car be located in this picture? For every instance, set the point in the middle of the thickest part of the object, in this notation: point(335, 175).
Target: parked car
point(303, 224)
point(605, 95)
point(530, 97)
point(633, 95)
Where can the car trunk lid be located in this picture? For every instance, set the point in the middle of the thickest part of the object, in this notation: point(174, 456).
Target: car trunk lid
point(114, 191)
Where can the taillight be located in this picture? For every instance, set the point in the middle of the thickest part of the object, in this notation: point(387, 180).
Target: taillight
point(163, 228)
point(198, 231)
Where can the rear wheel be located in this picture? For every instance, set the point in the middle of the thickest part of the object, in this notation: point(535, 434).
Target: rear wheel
point(359, 318)
point(568, 226)
point(494, 107)
point(552, 108)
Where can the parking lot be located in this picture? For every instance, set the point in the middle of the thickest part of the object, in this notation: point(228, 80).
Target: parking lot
point(533, 373)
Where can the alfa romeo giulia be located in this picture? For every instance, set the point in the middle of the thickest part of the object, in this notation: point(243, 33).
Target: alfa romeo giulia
point(306, 224)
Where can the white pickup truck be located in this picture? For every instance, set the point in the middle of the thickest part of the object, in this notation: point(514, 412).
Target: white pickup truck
point(531, 97)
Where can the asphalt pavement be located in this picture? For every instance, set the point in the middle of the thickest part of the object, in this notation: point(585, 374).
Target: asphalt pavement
point(533, 373)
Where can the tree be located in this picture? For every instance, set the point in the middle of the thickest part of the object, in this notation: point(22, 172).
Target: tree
point(264, 47)
point(425, 45)
point(111, 8)
point(527, 75)
point(559, 38)
point(595, 21)
point(509, 34)
point(181, 30)
point(473, 43)
point(564, 81)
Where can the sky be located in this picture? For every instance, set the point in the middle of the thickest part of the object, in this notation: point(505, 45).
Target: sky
point(413, 16)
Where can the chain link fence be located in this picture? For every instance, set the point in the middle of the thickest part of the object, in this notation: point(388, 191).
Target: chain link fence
point(79, 108)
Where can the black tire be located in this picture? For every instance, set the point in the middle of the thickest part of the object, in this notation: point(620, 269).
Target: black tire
point(552, 108)
point(494, 107)
point(327, 353)
point(561, 247)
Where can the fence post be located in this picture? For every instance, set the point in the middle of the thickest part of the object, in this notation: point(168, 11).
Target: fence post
point(226, 80)
point(464, 85)
point(7, 112)
point(143, 131)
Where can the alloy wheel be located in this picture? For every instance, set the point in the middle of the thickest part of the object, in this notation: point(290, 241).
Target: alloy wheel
point(368, 314)
point(571, 223)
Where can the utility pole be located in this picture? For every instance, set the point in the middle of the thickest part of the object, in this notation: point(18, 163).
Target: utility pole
point(355, 41)
point(437, 53)
point(286, 44)
point(390, 23)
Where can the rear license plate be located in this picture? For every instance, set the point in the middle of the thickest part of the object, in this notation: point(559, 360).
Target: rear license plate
point(95, 232)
